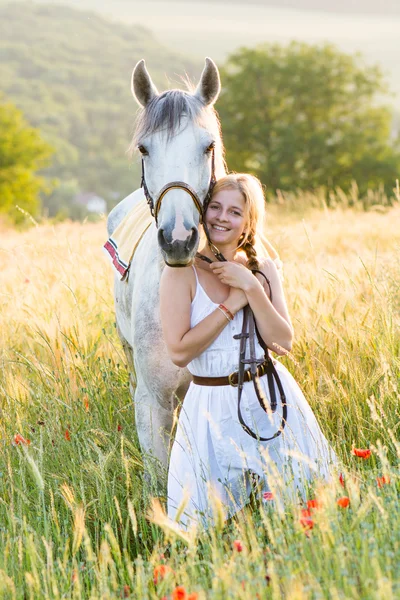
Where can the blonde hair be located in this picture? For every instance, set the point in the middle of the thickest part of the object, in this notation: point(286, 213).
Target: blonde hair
point(253, 242)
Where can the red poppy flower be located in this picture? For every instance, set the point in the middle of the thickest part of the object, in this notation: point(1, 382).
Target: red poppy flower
point(67, 435)
point(344, 501)
point(238, 546)
point(119, 428)
point(193, 596)
point(268, 496)
point(179, 593)
point(361, 452)
point(314, 503)
point(341, 479)
point(306, 521)
point(160, 571)
point(86, 402)
point(19, 439)
point(384, 480)
point(127, 591)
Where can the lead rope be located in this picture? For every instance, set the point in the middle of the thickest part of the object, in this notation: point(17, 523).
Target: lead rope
point(249, 329)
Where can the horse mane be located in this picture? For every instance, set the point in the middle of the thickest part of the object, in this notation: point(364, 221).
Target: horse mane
point(165, 112)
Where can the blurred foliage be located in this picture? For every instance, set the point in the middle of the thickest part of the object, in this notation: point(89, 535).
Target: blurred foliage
point(302, 116)
point(69, 71)
point(22, 153)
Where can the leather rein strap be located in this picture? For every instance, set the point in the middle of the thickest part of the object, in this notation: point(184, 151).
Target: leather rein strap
point(249, 332)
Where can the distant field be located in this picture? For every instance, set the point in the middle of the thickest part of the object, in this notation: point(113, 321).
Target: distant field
point(72, 504)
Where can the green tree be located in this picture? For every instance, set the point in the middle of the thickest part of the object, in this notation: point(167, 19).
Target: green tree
point(302, 116)
point(22, 153)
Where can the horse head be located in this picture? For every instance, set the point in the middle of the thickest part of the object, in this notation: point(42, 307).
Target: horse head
point(178, 135)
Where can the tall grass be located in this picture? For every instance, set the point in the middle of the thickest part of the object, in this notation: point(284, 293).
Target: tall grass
point(72, 505)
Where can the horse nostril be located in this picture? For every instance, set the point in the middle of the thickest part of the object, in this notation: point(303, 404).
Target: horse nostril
point(161, 239)
point(192, 239)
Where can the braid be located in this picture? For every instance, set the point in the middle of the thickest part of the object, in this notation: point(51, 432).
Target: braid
point(249, 249)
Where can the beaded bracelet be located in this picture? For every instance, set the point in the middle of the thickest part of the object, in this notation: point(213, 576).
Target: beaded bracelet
point(226, 312)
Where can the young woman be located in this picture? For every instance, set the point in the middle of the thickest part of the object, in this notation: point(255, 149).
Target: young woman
point(201, 313)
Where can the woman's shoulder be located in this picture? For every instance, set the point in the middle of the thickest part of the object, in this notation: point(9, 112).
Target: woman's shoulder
point(272, 267)
point(178, 281)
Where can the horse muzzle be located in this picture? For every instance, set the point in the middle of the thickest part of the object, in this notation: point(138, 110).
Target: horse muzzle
point(178, 253)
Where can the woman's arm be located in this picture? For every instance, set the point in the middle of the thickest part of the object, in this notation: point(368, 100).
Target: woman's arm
point(184, 343)
point(272, 318)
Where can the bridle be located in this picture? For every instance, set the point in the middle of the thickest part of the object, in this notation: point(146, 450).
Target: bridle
point(249, 328)
point(178, 185)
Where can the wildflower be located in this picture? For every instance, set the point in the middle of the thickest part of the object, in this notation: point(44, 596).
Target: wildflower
point(193, 596)
point(305, 520)
point(361, 452)
point(314, 503)
point(67, 435)
point(268, 496)
point(238, 546)
point(160, 571)
point(119, 428)
point(381, 481)
point(341, 479)
point(74, 576)
point(344, 501)
point(126, 591)
point(179, 593)
point(86, 402)
point(26, 280)
point(19, 439)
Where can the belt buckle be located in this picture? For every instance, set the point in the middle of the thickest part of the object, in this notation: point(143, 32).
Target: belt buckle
point(230, 379)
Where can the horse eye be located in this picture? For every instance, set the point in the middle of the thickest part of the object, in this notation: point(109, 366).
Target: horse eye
point(210, 148)
point(143, 150)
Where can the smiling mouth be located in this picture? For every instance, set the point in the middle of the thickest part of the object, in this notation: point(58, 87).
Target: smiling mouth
point(219, 228)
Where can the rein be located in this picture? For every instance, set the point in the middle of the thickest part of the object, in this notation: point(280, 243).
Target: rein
point(249, 328)
point(249, 332)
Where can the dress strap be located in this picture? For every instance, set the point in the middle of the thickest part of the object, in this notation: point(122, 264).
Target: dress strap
point(195, 272)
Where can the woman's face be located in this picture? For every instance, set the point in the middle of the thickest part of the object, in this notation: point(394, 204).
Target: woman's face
point(225, 217)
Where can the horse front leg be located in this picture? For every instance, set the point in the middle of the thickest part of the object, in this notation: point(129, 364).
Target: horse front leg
point(154, 424)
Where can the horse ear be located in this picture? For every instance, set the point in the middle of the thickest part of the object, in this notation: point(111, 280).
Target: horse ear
point(209, 85)
point(143, 89)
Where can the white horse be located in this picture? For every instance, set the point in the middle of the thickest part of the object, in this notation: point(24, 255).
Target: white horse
point(176, 132)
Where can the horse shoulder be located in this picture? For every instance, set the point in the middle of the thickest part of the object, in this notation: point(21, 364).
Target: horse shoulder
point(122, 208)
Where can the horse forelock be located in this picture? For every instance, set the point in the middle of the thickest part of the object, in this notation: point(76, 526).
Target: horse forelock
point(166, 113)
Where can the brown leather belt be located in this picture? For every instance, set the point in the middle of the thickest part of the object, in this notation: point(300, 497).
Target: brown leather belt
point(231, 379)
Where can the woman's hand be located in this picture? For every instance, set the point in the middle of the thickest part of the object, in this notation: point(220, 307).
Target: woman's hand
point(236, 300)
point(235, 275)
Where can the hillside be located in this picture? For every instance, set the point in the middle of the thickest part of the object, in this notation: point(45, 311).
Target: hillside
point(69, 71)
point(217, 27)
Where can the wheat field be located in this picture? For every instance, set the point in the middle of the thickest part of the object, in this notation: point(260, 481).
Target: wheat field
point(75, 521)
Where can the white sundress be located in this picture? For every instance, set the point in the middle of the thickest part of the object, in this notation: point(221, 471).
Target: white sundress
point(211, 450)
